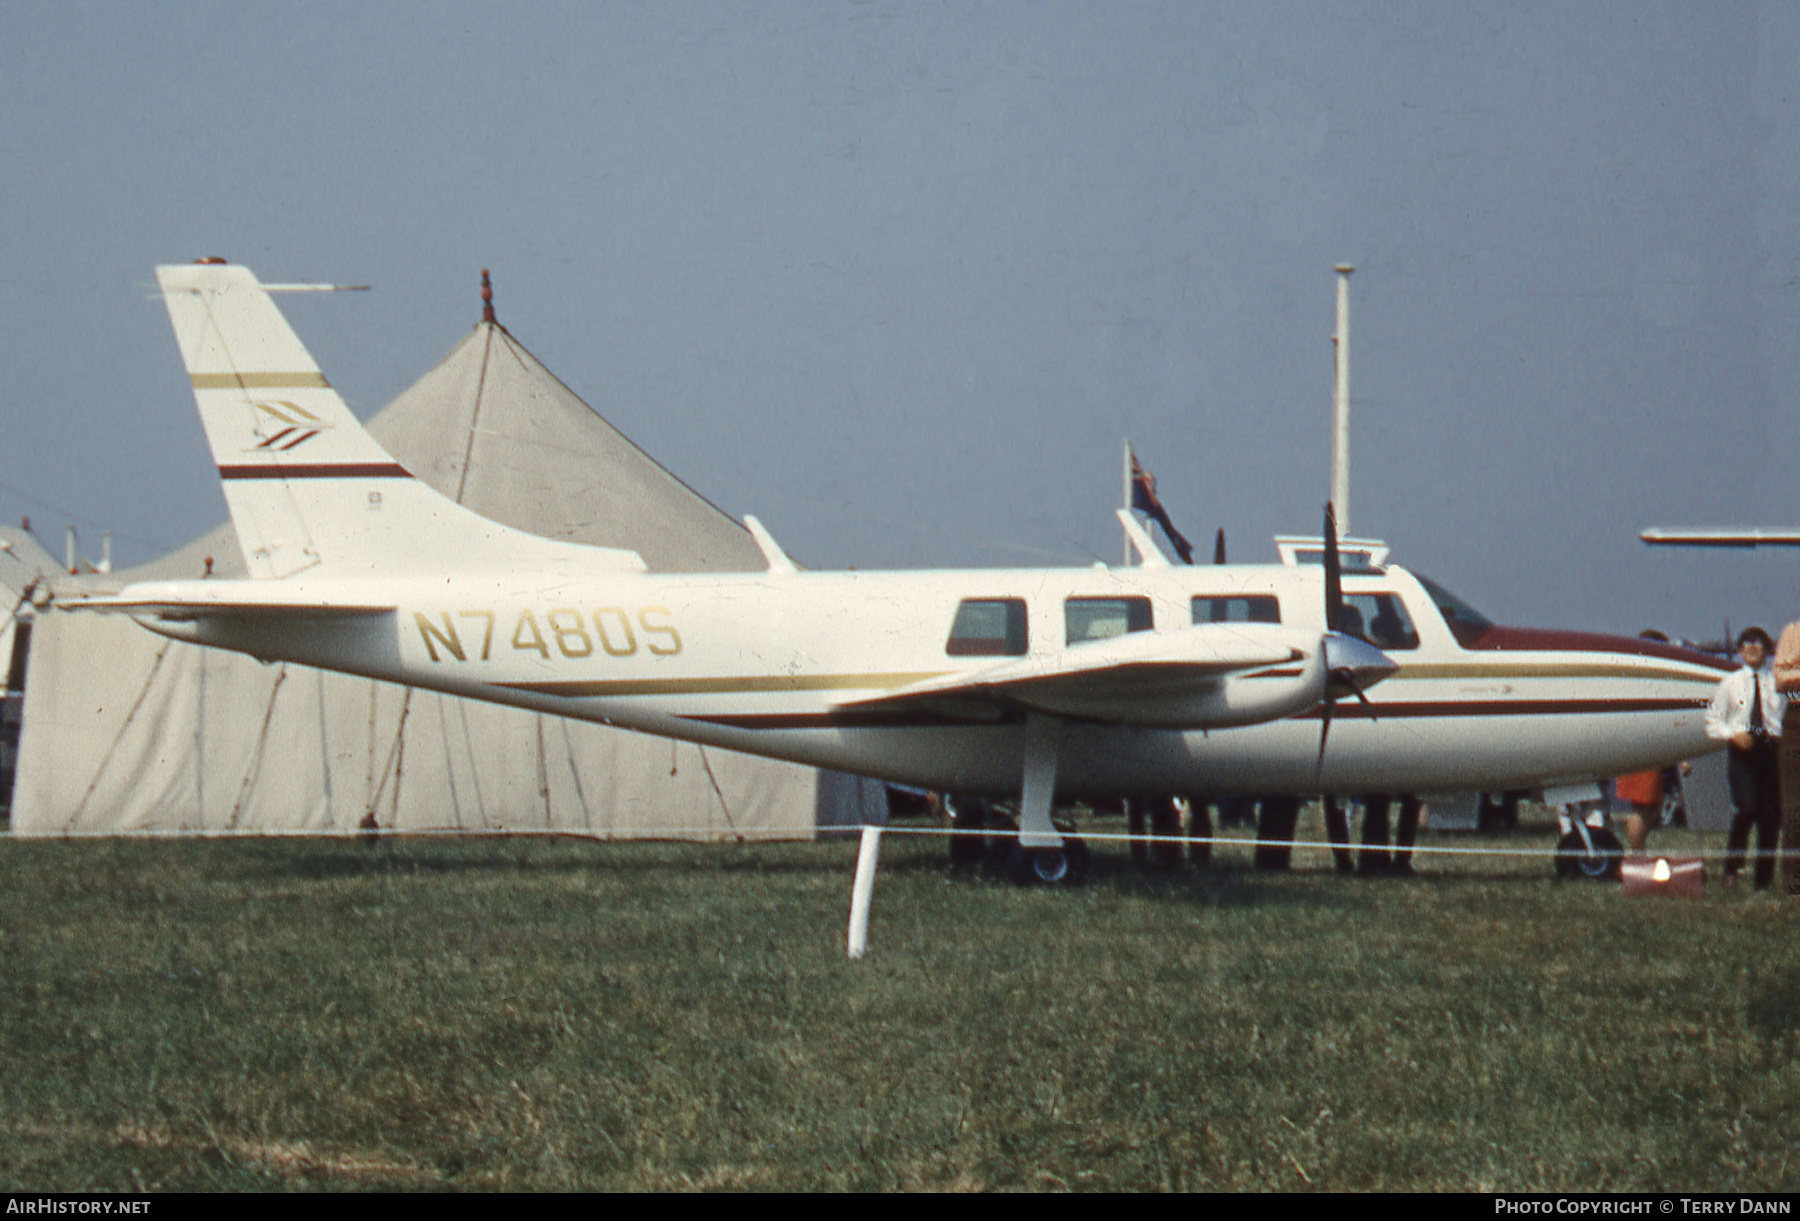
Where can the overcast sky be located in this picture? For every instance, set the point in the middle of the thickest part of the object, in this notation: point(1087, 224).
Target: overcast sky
point(900, 278)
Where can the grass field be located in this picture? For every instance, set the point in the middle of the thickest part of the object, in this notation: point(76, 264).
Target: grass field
point(555, 1014)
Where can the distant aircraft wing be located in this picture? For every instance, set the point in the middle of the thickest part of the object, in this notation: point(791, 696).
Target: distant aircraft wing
point(1723, 536)
point(1143, 678)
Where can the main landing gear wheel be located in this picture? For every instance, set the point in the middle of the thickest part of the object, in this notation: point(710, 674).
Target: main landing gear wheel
point(1601, 864)
point(1064, 866)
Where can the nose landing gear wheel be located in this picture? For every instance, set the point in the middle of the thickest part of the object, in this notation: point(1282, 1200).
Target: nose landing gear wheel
point(1601, 864)
point(1064, 866)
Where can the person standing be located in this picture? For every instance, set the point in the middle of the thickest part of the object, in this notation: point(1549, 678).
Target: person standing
point(1645, 793)
point(1375, 858)
point(1337, 831)
point(1746, 713)
point(1644, 790)
point(1787, 681)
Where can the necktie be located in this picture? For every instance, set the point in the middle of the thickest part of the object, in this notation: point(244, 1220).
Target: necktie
point(1756, 713)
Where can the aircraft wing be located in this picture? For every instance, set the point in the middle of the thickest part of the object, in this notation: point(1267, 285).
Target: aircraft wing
point(1723, 536)
point(1163, 679)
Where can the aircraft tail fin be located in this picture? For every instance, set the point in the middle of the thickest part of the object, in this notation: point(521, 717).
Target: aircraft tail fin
point(307, 486)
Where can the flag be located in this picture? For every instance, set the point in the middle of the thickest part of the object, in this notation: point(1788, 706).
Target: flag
point(1143, 499)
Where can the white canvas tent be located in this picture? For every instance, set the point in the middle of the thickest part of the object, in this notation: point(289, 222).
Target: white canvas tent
point(25, 568)
point(125, 731)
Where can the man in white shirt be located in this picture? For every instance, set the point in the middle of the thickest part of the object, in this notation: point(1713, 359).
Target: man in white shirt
point(1746, 713)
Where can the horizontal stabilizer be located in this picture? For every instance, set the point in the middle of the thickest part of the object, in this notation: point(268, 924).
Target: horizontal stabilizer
point(233, 599)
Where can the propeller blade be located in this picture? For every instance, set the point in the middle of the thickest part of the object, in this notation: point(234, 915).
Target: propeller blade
point(1352, 665)
point(1324, 733)
point(1334, 621)
point(1334, 575)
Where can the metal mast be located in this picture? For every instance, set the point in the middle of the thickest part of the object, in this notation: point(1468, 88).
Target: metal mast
point(1340, 405)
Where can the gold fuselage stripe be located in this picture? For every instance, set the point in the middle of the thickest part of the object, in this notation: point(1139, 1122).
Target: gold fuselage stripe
point(258, 381)
point(1551, 669)
point(742, 685)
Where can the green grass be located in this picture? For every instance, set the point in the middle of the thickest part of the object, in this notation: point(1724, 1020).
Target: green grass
point(554, 1014)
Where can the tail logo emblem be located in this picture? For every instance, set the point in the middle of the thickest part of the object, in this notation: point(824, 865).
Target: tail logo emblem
point(296, 425)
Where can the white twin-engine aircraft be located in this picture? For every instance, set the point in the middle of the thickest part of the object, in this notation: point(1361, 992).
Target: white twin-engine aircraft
point(1147, 679)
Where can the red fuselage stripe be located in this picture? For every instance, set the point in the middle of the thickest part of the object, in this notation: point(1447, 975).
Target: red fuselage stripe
point(1345, 710)
point(1438, 708)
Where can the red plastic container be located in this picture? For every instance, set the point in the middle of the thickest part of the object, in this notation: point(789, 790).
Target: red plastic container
point(1672, 875)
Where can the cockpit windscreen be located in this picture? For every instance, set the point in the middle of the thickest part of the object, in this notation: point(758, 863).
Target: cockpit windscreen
point(1465, 622)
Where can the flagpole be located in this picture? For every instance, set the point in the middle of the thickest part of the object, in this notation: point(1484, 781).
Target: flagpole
point(1340, 405)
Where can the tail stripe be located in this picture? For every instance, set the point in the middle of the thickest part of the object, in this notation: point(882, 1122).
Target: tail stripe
point(332, 470)
point(258, 381)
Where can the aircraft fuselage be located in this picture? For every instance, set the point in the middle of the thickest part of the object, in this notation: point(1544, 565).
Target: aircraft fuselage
point(774, 664)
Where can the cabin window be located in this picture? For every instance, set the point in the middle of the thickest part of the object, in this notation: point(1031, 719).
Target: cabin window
point(988, 627)
point(1380, 619)
point(1104, 618)
point(1243, 608)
